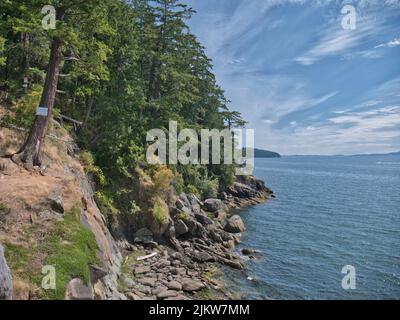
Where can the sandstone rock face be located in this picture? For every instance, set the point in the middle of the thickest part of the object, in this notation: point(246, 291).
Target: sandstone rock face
point(235, 225)
point(6, 287)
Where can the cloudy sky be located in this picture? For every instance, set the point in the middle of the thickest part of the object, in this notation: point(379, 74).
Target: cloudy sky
point(305, 84)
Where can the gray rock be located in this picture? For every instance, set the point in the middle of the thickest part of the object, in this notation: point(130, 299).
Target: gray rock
point(57, 202)
point(78, 290)
point(220, 216)
point(6, 287)
point(167, 294)
point(247, 252)
point(129, 283)
point(179, 297)
point(150, 282)
point(143, 289)
point(176, 263)
point(202, 256)
point(214, 205)
point(235, 225)
point(181, 228)
point(174, 285)
point(162, 263)
point(178, 271)
point(150, 244)
point(143, 235)
point(203, 219)
point(194, 200)
point(142, 270)
point(158, 290)
point(97, 273)
point(180, 204)
point(190, 285)
point(184, 198)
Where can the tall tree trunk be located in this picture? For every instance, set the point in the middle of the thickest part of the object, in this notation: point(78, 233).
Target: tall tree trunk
point(31, 152)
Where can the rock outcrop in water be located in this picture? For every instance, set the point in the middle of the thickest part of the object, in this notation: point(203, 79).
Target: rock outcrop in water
point(200, 236)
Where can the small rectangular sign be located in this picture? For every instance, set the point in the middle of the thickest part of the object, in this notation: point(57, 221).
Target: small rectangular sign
point(42, 112)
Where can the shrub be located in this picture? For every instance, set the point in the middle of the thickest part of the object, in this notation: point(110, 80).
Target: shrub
point(191, 189)
point(209, 188)
point(162, 179)
point(90, 168)
point(160, 211)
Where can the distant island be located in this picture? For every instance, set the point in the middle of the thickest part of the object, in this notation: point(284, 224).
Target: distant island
point(259, 153)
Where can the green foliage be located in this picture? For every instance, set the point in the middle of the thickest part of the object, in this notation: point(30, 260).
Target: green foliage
point(2, 58)
point(70, 247)
point(137, 67)
point(209, 188)
point(160, 211)
point(105, 203)
point(191, 189)
point(25, 109)
point(88, 162)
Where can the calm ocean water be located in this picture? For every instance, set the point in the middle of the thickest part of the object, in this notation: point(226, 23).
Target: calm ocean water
point(329, 212)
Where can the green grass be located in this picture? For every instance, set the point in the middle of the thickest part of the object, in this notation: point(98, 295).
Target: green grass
point(17, 257)
point(70, 247)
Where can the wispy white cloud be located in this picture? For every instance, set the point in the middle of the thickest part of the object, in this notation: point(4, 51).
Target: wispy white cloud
point(390, 44)
point(338, 41)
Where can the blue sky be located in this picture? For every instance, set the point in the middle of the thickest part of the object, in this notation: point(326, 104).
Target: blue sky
point(306, 85)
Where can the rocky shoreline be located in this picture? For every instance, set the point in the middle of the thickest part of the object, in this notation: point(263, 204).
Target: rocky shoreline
point(201, 236)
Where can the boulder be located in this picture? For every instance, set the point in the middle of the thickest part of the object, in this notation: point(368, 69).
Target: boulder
point(78, 290)
point(235, 225)
point(143, 235)
point(129, 283)
point(6, 287)
point(167, 294)
point(150, 282)
point(214, 205)
point(158, 290)
point(190, 285)
point(247, 252)
point(142, 270)
point(194, 200)
point(184, 198)
point(203, 219)
point(202, 256)
point(220, 216)
point(181, 228)
point(174, 285)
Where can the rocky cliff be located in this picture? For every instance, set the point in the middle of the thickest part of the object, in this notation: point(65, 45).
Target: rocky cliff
point(49, 217)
